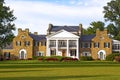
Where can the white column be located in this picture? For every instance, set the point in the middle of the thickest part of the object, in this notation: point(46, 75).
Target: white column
point(67, 48)
point(56, 47)
point(47, 48)
point(77, 49)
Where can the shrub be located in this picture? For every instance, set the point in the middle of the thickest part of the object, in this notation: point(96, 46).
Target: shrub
point(1, 59)
point(112, 56)
point(51, 59)
point(86, 58)
point(40, 59)
point(29, 58)
point(68, 59)
point(117, 58)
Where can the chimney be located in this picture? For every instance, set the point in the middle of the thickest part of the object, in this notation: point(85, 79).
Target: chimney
point(80, 29)
point(105, 31)
point(49, 28)
point(27, 30)
point(80, 26)
point(36, 33)
point(19, 30)
point(97, 31)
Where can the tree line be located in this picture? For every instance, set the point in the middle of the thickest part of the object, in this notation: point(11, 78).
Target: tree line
point(112, 16)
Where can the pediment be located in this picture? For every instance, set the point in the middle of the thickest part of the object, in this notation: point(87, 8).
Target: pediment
point(63, 34)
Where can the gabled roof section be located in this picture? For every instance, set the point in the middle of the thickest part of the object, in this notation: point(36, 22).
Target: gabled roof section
point(8, 46)
point(37, 37)
point(115, 41)
point(87, 37)
point(62, 34)
point(67, 28)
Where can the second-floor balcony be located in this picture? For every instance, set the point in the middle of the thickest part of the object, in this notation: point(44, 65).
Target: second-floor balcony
point(72, 46)
point(63, 44)
point(52, 45)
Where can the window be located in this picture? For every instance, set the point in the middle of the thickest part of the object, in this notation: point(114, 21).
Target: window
point(36, 43)
point(86, 54)
point(96, 45)
point(7, 55)
point(62, 43)
point(72, 43)
point(27, 43)
point(106, 45)
point(86, 45)
point(43, 43)
point(22, 37)
point(52, 43)
point(39, 53)
point(72, 52)
point(18, 43)
point(116, 46)
point(53, 52)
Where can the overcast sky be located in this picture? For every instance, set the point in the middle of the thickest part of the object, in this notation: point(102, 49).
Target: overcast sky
point(37, 14)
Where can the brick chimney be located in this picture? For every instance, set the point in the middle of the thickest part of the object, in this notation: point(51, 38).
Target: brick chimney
point(36, 33)
point(49, 28)
point(27, 30)
point(80, 29)
point(19, 30)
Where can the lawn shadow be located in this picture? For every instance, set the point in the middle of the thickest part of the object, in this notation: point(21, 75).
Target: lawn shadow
point(54, 77)
point(12, 71)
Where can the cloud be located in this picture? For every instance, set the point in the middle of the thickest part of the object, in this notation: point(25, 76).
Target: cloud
point(36, 15)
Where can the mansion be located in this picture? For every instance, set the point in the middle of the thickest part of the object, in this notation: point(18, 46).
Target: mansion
point(66, 41)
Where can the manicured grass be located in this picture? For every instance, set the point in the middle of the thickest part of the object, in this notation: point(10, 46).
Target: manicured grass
point(35, 70)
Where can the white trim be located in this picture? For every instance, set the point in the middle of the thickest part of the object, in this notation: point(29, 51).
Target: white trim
point(54, 35)
point(77, 50)
point(67, 48)
point(25, 53)
point(104, 54)
point(56, 47)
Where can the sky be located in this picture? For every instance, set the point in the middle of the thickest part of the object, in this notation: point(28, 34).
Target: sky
point(38, 14)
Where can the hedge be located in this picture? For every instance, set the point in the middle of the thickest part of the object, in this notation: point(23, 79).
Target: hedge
point(57, 58)
point(111, 57)
point(86, 58)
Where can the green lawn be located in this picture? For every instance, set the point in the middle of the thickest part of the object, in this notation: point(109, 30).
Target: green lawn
point(34, 70)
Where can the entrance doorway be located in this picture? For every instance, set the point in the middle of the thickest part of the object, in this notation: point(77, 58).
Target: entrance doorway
point(101, 55)
point(63, 53)
point(22, 54)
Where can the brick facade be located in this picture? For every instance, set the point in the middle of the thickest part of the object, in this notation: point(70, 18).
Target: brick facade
point(27, 45)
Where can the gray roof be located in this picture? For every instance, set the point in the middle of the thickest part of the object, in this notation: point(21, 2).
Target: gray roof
point(38, 37)
point(8, 46)
point(67, 28)
point(87, 37)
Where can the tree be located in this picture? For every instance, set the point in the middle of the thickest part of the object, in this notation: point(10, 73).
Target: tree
point(112, 14)
point(112, 29)
point(95, 25)
point(6, 24)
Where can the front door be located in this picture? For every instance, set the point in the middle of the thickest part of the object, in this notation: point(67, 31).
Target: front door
point(101, 55)
point(22, 54)
point(63, 53)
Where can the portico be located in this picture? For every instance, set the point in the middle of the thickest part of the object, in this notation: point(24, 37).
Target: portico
point(63, 43)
